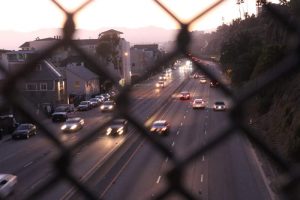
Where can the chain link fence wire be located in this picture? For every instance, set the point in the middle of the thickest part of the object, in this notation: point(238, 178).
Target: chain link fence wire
point(288, 66)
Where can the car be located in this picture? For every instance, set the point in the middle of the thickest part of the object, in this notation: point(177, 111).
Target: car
point(59, 116)
point(219, 105)
point(117, 127)
point(214, 83)
point(184, 95)
point(95, 102)
point(196, 75)
point(160, 127)
point(7, 184)
point(107, 106)
point(198, 103)
point(64, 108)
point(202, 80)
point(72, 124)
point(104, 97)
point(160, 84)
point(84, 106)
point(162, 78)
point(24, 131)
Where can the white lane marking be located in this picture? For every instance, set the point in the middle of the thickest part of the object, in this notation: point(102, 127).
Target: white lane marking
point(205, 132)
point(167, 159)
point(184, 117)
point(203, 159)
point(177, 132)
point(158, 179)
point(181, 124)
point(173, 143)
point(28, 164)
point(201, 178)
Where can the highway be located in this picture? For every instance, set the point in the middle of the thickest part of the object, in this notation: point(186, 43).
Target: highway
point(130, 167)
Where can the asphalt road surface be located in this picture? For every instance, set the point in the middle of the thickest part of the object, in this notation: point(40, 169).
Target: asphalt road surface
point(130, 167)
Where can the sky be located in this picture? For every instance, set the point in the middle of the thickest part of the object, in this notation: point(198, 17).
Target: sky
point(31, 15)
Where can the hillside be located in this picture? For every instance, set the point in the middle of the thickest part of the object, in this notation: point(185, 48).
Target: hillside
point(276, 114)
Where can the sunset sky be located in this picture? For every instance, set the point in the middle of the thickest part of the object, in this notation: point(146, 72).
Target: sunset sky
point(30, 15)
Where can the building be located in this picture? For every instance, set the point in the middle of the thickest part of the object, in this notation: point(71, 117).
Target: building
point(143, 57)
point(82, 83)
point(44, 84)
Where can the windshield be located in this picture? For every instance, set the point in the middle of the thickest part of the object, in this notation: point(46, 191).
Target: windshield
point(72, 120)
point(108, 103)
point(159, 124)
point(219, 103)
point(23, 127)
point(84, 103)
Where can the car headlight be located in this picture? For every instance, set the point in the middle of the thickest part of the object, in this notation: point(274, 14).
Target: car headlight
point(120, 131)
point(102, 107)
point(74, 126)
point(164, 129)
point(63, 127)
point(108, 131)
point(110, 107)
point(157, 85)
point(152, 129)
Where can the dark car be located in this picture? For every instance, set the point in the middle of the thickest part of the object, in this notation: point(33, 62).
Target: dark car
point(84, 106)
point(184, 95)
point(59, 116)
point(95, 102)
point(24, 131)
point(8, 124)
point(117, 127)
point(72, 124)
point(64, 108)
point(161, 127)
point(214, 83)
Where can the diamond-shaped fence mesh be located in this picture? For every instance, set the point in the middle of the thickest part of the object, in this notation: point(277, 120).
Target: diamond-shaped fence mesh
point(64, 160)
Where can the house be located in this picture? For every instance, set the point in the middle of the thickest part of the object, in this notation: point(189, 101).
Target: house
point(45, 84)
point(82, 83)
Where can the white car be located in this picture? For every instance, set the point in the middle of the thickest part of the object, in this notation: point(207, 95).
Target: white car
point(219, 105)
point(198, 103)
point(202, 80)
point(7, 184)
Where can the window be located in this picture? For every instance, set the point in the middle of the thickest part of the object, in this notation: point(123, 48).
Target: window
point(43, 86)
point(77, 84)
point(31, 86)
point(38, 67)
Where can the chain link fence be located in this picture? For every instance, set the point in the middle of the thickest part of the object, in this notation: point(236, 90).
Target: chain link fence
point(62, 165)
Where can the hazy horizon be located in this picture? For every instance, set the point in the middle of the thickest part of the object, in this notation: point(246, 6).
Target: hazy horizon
point(11, 39)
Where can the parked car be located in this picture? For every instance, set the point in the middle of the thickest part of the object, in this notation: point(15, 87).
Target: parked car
point(184, 95)
point(219, 105)
point(198, 103)
point(64, 108)
point(59, 116)
point(72, 124)
point(117, 127)
point(8, 124)
point(108, 106)
point(84, 106)
point(95, 102)
point(160, 127)
point(7, 184)
point(104, 96)
point(24, 131)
